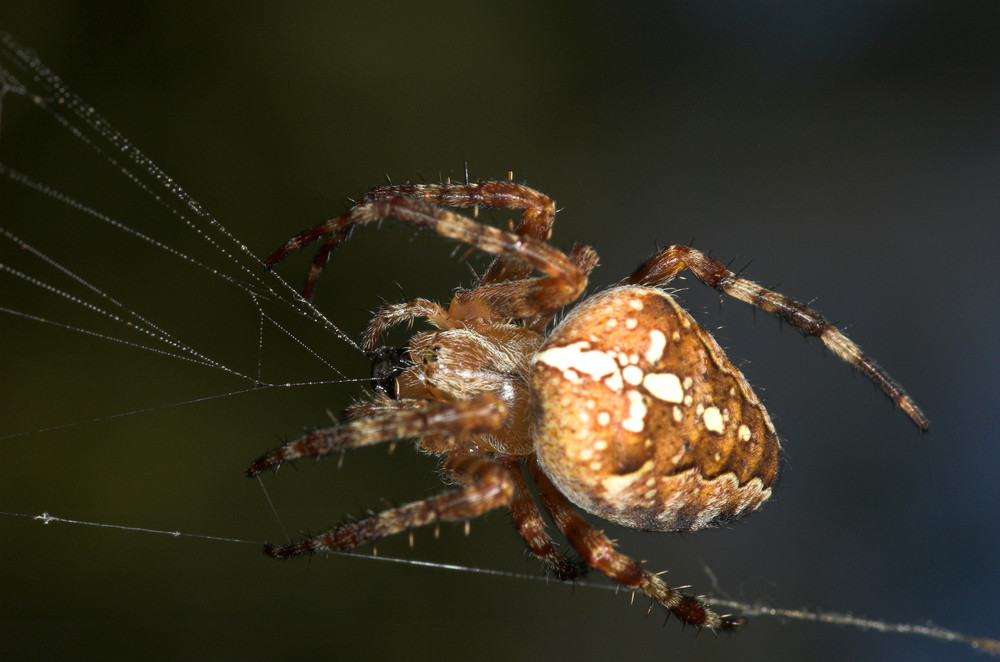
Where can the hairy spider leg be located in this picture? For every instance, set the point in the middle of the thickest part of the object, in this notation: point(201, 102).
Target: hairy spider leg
point(539, 212)
point(529, 523)
point(395, 419)
point(536, 221)
point(599, 552)
point(564, 281)
point(387, 316)
point(486, 485)
point(583, 257)
point(668, 262)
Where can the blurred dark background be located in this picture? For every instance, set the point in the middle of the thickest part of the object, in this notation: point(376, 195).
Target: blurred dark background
point(849, 153)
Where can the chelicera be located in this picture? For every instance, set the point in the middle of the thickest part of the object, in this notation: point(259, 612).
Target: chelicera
point(626, 409)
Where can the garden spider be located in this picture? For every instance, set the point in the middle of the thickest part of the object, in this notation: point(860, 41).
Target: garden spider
point(627, 408)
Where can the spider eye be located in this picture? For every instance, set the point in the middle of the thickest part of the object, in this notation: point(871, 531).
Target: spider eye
point(388, 363)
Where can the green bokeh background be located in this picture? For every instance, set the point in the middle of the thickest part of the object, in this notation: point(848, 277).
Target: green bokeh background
point(849, 153)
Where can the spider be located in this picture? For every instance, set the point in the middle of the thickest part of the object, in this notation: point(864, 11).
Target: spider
point(626, 409)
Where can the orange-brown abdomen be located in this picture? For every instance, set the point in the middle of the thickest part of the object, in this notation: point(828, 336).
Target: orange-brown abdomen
point(641, 418)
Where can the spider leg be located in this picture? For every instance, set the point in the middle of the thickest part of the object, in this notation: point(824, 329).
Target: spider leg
point(599, 552)
point(668, 262)
point(396, 419)
point(528, 522)
point(388, 316)
point(564, 281)
point(585, 258)
point(493, 302)
point(536, 221)
point(486, 485)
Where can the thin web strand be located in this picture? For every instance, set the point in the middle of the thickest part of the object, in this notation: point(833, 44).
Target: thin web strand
point(181, 403)
point(982, 644)
point(136, 322)
point(57, 101)
point(22, 179)
point(55, 94)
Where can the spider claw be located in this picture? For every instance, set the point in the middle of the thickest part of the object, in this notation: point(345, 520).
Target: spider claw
point(262, 464)
point(730, 623)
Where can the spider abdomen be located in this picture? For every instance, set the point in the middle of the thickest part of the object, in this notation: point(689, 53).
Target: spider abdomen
point(642, 420)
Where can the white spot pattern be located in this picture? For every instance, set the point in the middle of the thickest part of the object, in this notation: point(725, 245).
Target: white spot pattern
point(575, 357)
point(636, 412)
point(657, 343)
point(664, 386)
point(713, 420)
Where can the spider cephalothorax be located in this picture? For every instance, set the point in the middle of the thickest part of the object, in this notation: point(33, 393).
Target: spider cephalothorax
point(626, 408)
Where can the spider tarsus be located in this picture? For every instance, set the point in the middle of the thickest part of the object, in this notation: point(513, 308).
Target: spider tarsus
point(275, 258)
point(730, 623)
point(566, 568)
point(692, 611)
point(283, 551)
point(261, 465)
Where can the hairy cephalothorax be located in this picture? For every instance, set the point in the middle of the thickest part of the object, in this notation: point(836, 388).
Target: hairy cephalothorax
point(627, 408)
